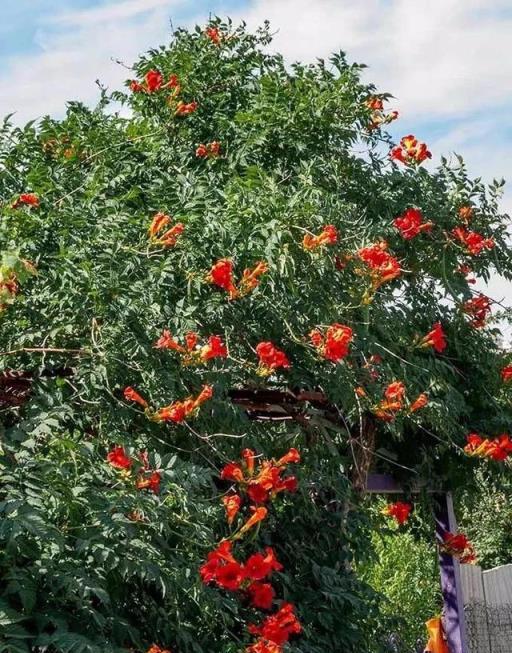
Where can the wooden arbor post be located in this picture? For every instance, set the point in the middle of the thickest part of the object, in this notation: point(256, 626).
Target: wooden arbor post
point(449, 568)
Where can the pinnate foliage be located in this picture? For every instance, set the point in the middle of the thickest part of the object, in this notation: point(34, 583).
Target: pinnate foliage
point(257, 156)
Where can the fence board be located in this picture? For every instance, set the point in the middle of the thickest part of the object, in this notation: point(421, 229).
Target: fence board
point(488, 608)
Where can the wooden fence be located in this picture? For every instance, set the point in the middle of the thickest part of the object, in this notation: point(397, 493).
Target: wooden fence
point(488, 608)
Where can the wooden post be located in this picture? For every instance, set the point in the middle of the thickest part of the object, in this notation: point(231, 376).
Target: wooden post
point(449, 568)
point(451, 585)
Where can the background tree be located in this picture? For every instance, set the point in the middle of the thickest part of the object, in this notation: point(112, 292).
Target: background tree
point(283, 172)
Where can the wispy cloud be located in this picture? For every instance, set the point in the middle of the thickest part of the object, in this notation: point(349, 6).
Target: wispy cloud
point(438, 57)
point(111, 12)
point(75, 49)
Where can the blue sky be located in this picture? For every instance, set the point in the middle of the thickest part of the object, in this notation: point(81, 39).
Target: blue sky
point(447, 62)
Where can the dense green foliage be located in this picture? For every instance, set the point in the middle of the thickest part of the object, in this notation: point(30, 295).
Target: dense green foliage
point(485, 514)
point(405, 571)
point(76, 573)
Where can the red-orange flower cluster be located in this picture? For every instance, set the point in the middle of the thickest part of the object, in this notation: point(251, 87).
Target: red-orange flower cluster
point(151, 482)
point(154, 82)
point(191, 352)
point(222, 569)
point(27, 199)
point(410, 224)
point(179, 411)
point(466, 213)
point(221, 275)
point(157, 649)
point(394, 402)
point(328, 236)
point(169, 237)
point(270, 358)
point(334, 344)
point(208, 151)
point(400, 511)
point(410, 151)
point(435, 338)
point(185, 108)
point(420, 402)
point(498, 448)
point(132, 395)
point(506, 374)
point(458, 546)
point(474, 242)
point(258, 481)
point(276, 629)
point(214, 34)
point(379, 118)
point(119, 459)
point(382, 266)
point(479, 308)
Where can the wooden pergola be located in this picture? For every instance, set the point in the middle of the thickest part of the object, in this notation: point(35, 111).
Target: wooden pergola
point(278, 405)
point(273, 405)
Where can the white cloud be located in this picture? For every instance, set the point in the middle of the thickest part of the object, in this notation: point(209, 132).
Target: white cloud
point(77, 48)
point(117, 11)
point(438, 57)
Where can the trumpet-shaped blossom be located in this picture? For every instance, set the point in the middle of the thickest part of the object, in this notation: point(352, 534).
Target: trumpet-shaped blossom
point(179, 411)
point(28, 199)
point(479, 308)
point(190, 352)
point(382, 266)
point(279, 627)
point(393, 402)
point(498, 448)
point(185, 108)
point(399, 511)
point(435, 338)
point(270, 358)
point(160, 235)
point(221, 275)
point(214, 34)
point(263, 481)
point(410, 224)
point(232, 504)
point(474, 242)
point(458, 546)
point(334, 344)
point(210, 150)
point(119, 459)
point(132, 395)
point(264, 646)
point(410, 151)
point(506, 374)
point(261, 595)
point(420, 402)
point(251, 277)
point(151, 482)
point(328, 236)
point(223, 569)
